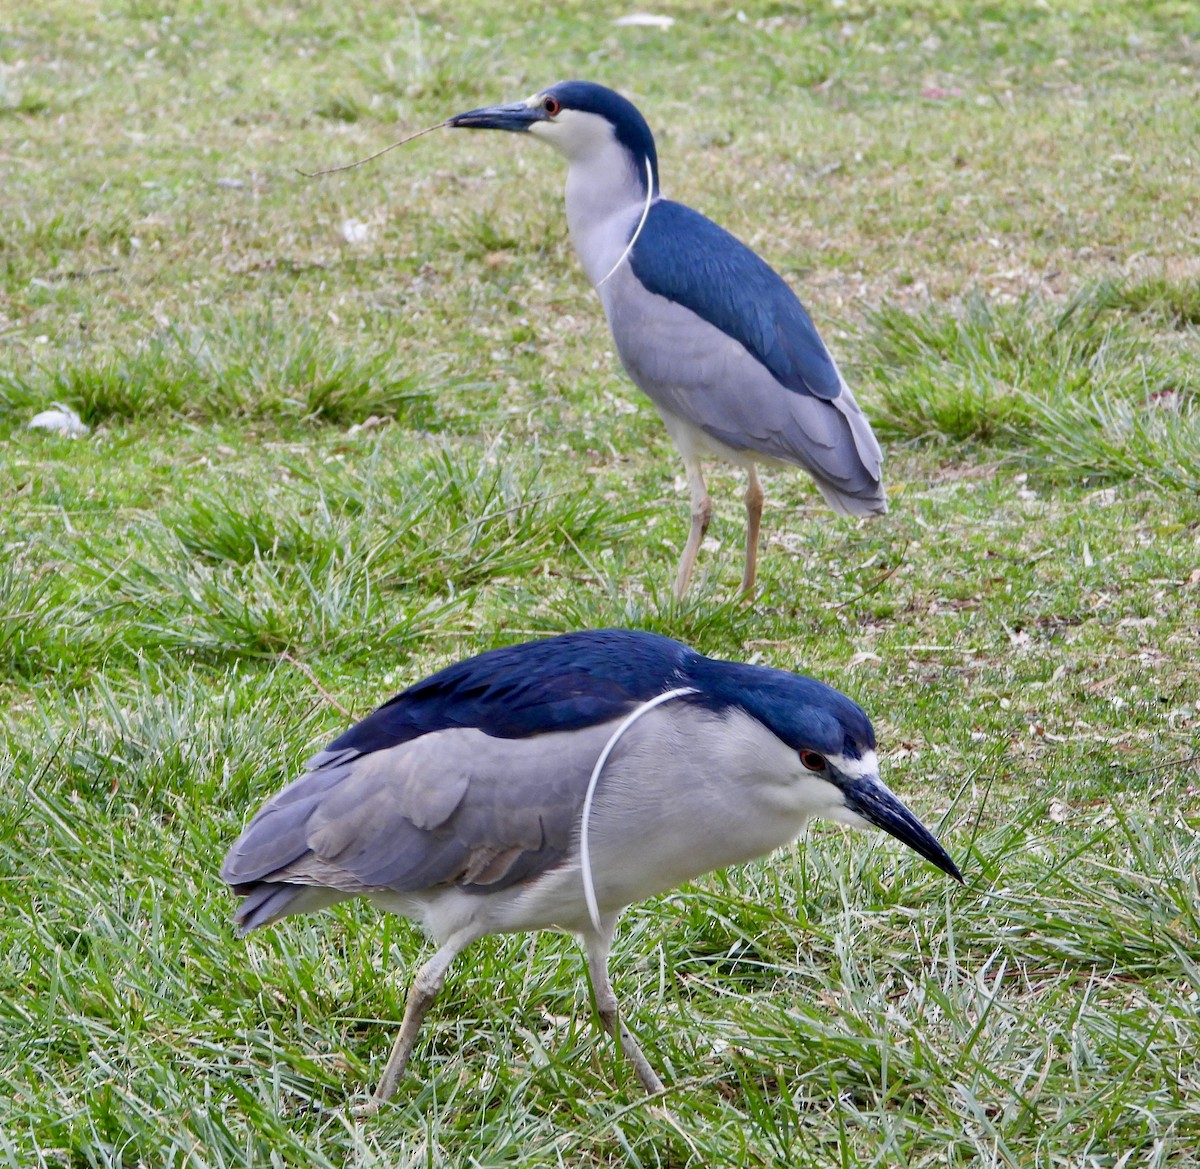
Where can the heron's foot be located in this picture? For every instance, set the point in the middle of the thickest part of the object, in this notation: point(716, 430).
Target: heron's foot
point(368, 1108)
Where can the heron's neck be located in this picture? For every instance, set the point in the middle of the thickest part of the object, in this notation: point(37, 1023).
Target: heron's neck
point(606, 194)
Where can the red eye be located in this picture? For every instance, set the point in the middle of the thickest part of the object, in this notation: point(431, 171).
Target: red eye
point(551, 105)
point(812, 760)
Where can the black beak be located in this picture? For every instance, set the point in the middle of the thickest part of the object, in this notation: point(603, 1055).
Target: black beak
point(876, 804)
point(514, 116)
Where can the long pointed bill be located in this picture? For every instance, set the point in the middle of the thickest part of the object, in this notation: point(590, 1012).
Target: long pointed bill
point(517, 115)
point(874, 803)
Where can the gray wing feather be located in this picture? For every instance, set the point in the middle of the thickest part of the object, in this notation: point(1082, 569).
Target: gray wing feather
point(696, 373)
point(452, 807)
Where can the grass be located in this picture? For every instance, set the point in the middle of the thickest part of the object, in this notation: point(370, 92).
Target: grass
point(1077, 391)
point(323, 463)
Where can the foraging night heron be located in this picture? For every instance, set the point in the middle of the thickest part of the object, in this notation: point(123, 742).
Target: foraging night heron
point(712, 334)
point(549, 785)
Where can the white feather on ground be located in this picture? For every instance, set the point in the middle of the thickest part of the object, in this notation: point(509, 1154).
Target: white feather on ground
point(59, 419)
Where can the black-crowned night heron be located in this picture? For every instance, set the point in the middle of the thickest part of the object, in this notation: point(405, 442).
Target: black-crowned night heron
point(711, 333)
point(551, 784)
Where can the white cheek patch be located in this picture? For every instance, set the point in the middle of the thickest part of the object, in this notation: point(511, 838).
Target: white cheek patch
point(867, 766)
point(578, 134)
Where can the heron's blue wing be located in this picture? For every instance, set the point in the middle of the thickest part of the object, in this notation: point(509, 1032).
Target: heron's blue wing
point(560, 684)
point(688, 259)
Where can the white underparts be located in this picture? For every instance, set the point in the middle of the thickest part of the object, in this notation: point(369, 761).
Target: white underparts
point(585, 857)
point(641, 222)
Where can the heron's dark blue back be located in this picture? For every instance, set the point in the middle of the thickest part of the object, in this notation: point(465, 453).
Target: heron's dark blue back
point(559, 684)
point(685, 257)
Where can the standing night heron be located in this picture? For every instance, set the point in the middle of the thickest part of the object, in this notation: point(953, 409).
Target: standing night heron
point(711, 333)
point(551, 784)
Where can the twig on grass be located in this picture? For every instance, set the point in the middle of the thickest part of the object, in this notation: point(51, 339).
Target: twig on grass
point(1169, 764)
point(307, 672)
point(329, 170)
point(878, 580)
